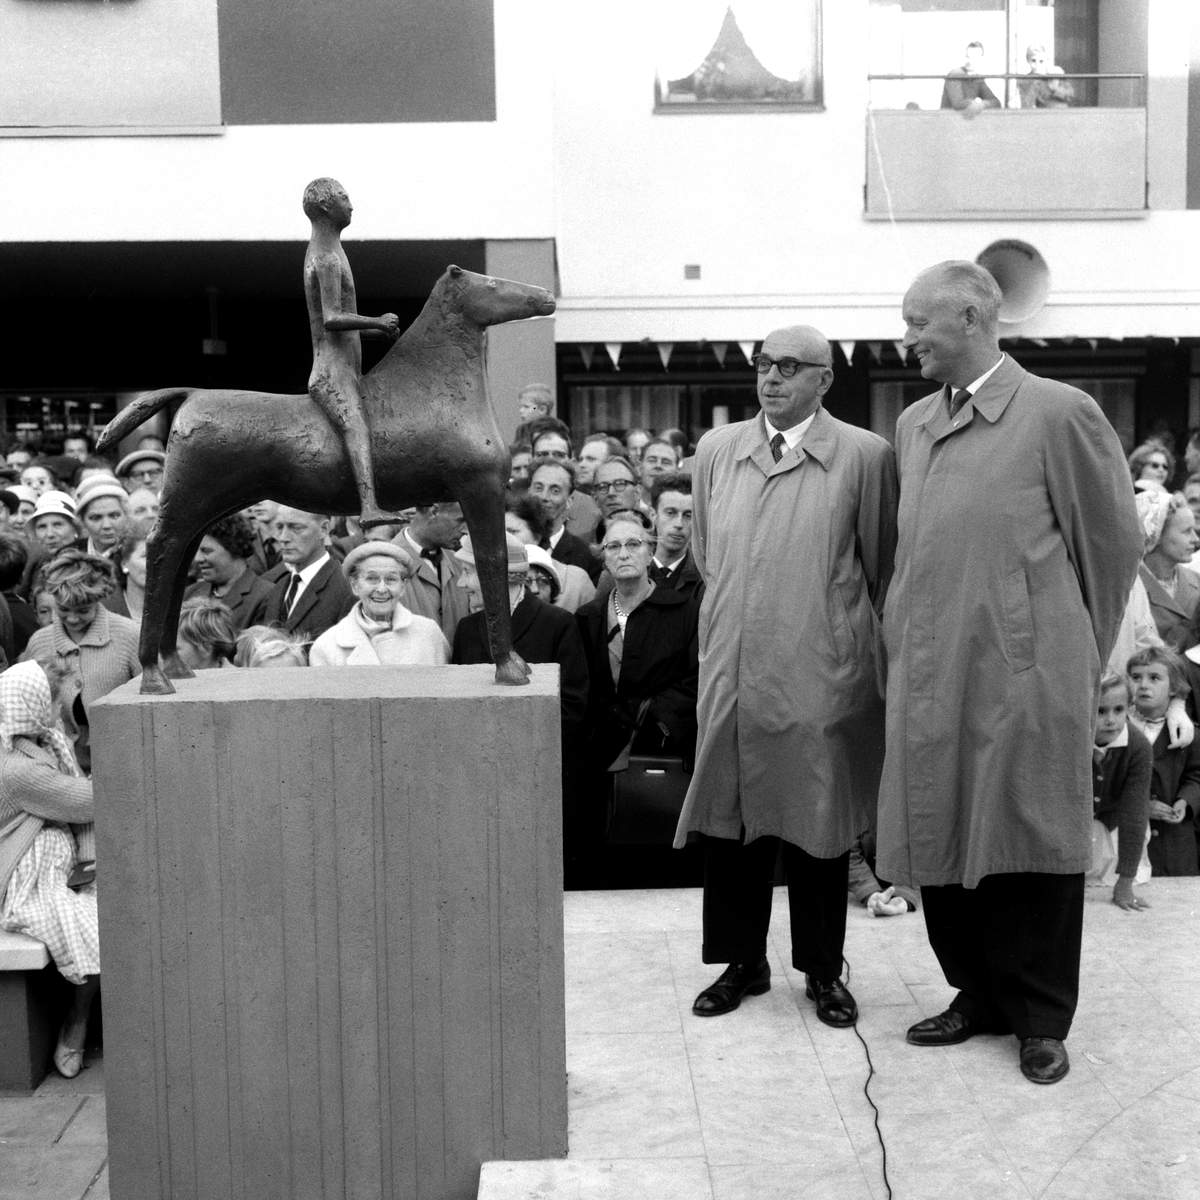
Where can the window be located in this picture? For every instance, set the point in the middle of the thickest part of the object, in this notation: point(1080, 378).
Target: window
point(714, 56)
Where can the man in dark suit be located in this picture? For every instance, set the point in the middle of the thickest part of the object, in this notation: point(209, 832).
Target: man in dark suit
point(312, 595)
point(673, 564)
point(552, 483)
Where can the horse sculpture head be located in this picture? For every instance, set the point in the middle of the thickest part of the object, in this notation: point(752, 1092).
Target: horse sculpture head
point(486, 301)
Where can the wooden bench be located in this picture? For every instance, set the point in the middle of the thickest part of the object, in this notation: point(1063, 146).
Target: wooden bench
point(31, 1010)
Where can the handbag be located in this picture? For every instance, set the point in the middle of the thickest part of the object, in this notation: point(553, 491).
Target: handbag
point(646, 800)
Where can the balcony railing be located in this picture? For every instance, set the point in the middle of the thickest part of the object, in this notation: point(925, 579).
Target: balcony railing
point(999, 159)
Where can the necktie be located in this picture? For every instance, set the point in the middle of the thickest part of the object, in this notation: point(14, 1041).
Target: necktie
point(270, 553)
point(958, 400)
point(434, 554)
point(290, 599)
point(659, 574)
point(777, 447)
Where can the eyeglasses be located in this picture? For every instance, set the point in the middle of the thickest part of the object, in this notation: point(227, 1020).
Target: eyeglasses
point(617, 485)
point(630, 547)
point(787, 366)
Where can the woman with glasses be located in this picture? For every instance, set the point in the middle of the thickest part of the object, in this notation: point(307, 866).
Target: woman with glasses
point(1152, 467)
point(96, 650)
point(641, 646)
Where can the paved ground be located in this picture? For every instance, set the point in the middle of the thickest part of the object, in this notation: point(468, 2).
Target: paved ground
point(768, 1103)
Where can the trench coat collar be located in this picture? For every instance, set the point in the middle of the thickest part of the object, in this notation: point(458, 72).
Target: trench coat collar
point(989, 402)
point(818, 444)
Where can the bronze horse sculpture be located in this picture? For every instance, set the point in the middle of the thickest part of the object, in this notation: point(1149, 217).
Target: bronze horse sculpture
point(434, 437)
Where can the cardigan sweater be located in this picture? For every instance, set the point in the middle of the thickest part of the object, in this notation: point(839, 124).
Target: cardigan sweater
point(105, 658)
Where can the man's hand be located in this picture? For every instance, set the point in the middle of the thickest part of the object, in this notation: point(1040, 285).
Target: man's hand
point(1123, 896)
point(1180, 729)
point(886, 904)
point(1171, 813)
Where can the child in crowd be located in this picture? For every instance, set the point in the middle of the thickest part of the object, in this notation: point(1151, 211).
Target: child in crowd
point(1156, 676)
point(1121, 767)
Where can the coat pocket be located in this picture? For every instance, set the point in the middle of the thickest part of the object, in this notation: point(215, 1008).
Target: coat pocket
point(1018, 622)
point(843, 631)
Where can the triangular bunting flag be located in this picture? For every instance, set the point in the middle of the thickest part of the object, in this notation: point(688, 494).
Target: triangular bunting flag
point(1093, 342)
point(848, 350)
point(586, 352)
point(876, 349)
point(747, 349)
point(614, 352)
point(902, 350)
point(664, 352)
point(719, 350)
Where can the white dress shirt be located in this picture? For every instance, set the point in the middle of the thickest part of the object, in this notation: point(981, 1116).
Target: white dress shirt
point(306, 577)
point(792, 437)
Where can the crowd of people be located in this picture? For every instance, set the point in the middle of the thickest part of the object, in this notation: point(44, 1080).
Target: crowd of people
point(605, 582)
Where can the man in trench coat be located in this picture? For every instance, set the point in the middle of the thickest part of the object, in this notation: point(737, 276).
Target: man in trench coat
point(794, 532)
point(1018, 546)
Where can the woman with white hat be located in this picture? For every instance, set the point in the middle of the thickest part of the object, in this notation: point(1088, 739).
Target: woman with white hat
point(379, 630)
point(100, 506)
point(54, 521)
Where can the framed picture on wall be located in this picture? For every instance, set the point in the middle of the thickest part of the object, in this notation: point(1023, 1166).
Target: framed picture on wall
point(731, 55)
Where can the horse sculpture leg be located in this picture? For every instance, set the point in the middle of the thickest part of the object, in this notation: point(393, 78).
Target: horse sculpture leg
point(168, 646)
point(166, 556)
point(482, 500)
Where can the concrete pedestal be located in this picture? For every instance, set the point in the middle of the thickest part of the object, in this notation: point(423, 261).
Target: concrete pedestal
point(331, 932)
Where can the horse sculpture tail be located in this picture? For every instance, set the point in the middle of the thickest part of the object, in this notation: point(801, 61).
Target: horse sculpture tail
point(142, 409)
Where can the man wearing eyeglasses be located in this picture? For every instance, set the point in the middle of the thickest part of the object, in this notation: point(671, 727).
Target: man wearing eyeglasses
point(615, 487)
point(794, 529)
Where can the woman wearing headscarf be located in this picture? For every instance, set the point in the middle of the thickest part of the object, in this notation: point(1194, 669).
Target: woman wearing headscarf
point(96, 649)
point(1173, 589)
point(45, 832)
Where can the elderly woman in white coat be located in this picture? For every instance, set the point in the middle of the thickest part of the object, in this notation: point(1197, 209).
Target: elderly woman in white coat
point(379, 630)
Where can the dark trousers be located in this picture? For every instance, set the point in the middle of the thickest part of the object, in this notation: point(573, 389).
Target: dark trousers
point(738, 879)
point(1011, 947)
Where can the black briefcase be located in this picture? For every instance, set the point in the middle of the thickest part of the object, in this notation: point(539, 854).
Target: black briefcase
point(646, 801)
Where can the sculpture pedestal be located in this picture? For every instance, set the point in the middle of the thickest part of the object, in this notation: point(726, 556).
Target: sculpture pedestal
point(331, 932)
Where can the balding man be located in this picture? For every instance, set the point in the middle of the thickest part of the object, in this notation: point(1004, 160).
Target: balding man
point(1018, 546)
point(312, 595)
point(793, 532)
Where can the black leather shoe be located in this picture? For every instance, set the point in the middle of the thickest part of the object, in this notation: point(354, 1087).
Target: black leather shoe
point(1043, 1059)
point(736, 981)
point(947, 1029)
point(835, 1005)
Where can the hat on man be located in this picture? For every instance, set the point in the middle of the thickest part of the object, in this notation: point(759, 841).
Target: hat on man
point(518, 557)
point(541, 558)
point(126, 464)
point(371, 549)
point(96, 487)
point(54, 504)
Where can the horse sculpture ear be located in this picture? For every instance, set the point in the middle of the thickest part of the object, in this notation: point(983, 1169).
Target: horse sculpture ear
point(455, 271)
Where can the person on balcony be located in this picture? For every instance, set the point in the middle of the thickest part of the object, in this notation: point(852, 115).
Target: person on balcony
point(1041, 89)
point(965, 88)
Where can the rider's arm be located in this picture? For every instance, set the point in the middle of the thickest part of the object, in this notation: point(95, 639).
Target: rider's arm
point(335, 319)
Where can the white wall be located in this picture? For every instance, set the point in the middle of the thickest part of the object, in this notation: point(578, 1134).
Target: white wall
point(468, 180)
point(771, 208)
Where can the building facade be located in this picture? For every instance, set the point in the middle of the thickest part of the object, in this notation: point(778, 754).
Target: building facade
point(686, 176)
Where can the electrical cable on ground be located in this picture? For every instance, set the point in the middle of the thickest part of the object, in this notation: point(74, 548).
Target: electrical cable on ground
point(867, 1090)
